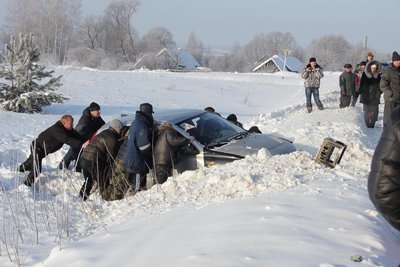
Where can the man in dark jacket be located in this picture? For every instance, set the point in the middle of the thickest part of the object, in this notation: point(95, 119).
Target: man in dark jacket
point(49, 141)
point(166, 150)
point(347, 86)
point(370, 92)
point(384, 178)
point(138, 156)
point(87, 126)
point(98, 157)
point(390, 86)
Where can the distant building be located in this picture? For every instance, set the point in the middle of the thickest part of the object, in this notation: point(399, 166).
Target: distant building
point(168, 58)
point(277, 62)
point(180, 58)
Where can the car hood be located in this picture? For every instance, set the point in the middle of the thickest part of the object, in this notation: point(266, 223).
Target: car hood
point(253, 142)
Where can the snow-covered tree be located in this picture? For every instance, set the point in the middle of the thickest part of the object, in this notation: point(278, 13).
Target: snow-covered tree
point(196, 48)
point(25, 85)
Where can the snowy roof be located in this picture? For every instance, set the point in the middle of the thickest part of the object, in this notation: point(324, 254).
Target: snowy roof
point(292, 63)
point(182, 57)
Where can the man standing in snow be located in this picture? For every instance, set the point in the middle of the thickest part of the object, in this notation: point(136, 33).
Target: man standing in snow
point(87, 126)
point(384, 177)
point(49, 141)
point(347, 85)
point(358, 71)
point(312, 75)
point(138, 156)
point(390, 86)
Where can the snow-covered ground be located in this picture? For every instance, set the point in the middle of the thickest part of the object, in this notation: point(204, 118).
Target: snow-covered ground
point(286, 210)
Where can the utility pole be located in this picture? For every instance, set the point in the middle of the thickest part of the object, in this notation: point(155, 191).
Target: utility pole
point(366, 43)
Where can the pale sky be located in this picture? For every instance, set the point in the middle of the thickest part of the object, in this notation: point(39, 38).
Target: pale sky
point(222, 23)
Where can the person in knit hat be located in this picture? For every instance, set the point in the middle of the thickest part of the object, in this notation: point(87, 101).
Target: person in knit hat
point(98, 157)
point(390, 86)
point(87, 126)
point(312, 74)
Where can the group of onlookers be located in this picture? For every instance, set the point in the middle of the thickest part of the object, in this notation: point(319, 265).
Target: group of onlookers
point(368, 81)
point(363, 82)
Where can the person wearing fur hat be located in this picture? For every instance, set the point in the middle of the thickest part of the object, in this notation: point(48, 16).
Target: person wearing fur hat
point(347, 85)
point(167, 150)
point(87, 126)
point(312, 75)
point(369, 91)
point(98, 157)
point(369, 56)
point(390, 86)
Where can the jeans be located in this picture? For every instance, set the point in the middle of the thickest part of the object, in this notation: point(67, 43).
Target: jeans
point(315, 92)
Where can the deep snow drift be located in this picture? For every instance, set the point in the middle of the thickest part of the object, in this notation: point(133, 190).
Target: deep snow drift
point(286, 210)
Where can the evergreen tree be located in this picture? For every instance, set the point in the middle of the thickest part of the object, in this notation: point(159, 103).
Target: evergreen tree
point(25, 85)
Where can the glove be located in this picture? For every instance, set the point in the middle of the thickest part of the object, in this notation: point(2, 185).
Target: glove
point(343, 92)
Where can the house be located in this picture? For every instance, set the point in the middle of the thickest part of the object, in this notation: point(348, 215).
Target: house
point(277, 62)
point(180, 58)
point(168, 58)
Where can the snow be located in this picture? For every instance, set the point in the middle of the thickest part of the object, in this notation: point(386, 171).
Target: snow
point(284, 210)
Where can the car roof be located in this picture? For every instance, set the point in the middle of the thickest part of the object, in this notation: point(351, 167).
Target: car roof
point(171, 115)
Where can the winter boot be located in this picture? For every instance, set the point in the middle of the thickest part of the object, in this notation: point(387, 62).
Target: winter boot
point(309, 109)
point(321, 107)
point(61, 165)
point(21, 168)
point(29, 181)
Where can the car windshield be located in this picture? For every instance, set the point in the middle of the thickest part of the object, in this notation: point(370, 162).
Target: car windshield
point(212, 130)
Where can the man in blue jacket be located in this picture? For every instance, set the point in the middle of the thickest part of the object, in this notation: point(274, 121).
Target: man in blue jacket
point(138, 156)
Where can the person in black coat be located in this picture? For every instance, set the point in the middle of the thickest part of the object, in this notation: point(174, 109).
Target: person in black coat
point(87, 126)
point(98, 157)
point(232, 118)
point(370, 93)
point(390, 86)
point(49, 141)
point(384, 177)
point(166, 151)
point(347, 85)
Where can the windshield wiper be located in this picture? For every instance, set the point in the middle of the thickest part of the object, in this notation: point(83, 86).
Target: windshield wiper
point(217, 144)
point(237, 136)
